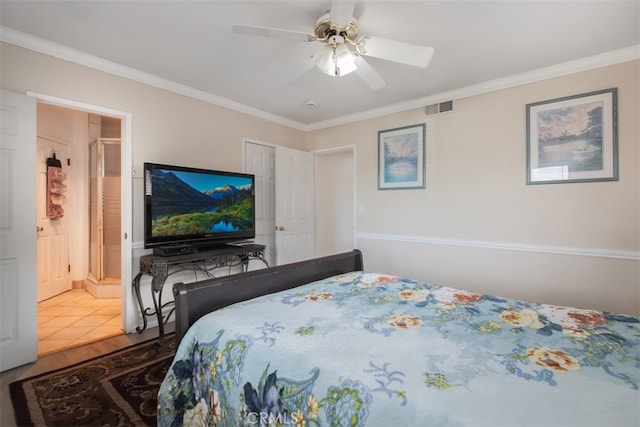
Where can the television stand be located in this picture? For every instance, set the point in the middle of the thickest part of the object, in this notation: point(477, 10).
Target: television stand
point(204, 261)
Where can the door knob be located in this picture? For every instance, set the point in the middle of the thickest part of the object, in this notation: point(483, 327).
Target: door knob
point(39, 228)
point(279, 227)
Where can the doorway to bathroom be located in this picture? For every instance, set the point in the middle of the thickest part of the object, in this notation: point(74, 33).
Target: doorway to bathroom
point(79, 248)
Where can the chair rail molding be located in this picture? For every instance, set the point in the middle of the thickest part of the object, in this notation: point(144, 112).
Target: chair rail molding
point(551, 250)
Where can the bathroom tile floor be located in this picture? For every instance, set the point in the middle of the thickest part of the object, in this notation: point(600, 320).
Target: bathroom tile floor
point(74, 318)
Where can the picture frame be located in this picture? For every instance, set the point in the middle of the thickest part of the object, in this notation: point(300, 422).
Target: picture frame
point(401, 158)
point(573, 139)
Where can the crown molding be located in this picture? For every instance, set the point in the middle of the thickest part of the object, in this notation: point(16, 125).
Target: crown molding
point(66, 53)
point(619, 56)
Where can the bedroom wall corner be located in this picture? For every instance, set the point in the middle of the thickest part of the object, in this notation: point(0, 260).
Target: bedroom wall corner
point(478, 224)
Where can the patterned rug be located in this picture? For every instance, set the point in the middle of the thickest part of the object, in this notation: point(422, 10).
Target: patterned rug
point(118, 389)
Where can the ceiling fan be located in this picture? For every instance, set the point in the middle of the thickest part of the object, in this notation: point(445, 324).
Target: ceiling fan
point(343, 47)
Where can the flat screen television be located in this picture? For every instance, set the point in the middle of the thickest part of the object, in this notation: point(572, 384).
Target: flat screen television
point(201, 207)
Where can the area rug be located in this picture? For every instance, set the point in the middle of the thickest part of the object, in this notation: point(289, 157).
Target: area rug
point(117, 389)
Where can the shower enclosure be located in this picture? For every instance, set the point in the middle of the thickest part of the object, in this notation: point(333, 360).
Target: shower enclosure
point(104, 217)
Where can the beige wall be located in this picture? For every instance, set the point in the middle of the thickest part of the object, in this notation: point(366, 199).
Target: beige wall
point(478, 225)
point(167, 128)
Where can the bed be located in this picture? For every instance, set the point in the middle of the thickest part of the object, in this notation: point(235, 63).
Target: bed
point(323, 342)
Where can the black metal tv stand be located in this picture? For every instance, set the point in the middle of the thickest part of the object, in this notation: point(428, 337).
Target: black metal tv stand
point(205, 261)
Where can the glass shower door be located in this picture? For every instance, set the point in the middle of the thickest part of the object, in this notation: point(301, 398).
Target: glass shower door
point(104, 210)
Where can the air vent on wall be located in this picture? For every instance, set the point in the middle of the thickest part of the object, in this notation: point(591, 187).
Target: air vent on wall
point(438, 108)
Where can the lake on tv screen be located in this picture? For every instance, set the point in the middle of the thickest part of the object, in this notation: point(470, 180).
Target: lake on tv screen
point(171, 220)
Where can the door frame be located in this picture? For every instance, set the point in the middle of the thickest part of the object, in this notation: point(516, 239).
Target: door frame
point(126, 188)
point(346, 149)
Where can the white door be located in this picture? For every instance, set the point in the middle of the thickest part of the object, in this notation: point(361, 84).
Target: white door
point(334, 195)
point(294, 205)
point(260, 161)
point(18, 308)
point(53, 234)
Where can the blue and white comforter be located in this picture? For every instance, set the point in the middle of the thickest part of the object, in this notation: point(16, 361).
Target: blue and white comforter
point(372, 349)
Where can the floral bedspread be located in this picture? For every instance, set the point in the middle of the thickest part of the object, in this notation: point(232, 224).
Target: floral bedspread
point(372, 349)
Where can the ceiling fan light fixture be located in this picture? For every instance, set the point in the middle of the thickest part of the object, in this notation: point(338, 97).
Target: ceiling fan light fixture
point(345, 62)
point(335, 58)
point(324, 59)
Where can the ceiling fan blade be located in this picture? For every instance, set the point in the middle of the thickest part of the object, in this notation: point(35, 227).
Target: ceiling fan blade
point(272, 32)
point(368, 74)
point(342, 12)
point(297, 71)
point(392, 50)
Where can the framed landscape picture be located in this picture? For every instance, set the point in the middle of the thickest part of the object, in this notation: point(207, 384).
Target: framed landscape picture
point(401, 158)
point(573, 139)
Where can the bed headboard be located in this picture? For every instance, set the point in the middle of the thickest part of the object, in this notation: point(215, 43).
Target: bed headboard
point(194, 300)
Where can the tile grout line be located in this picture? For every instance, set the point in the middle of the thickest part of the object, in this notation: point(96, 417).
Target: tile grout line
point(66, 304)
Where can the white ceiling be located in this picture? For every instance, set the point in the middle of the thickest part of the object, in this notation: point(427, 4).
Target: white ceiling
point(188, 46)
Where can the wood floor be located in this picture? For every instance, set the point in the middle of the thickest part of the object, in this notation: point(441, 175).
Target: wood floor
point(65, 358)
